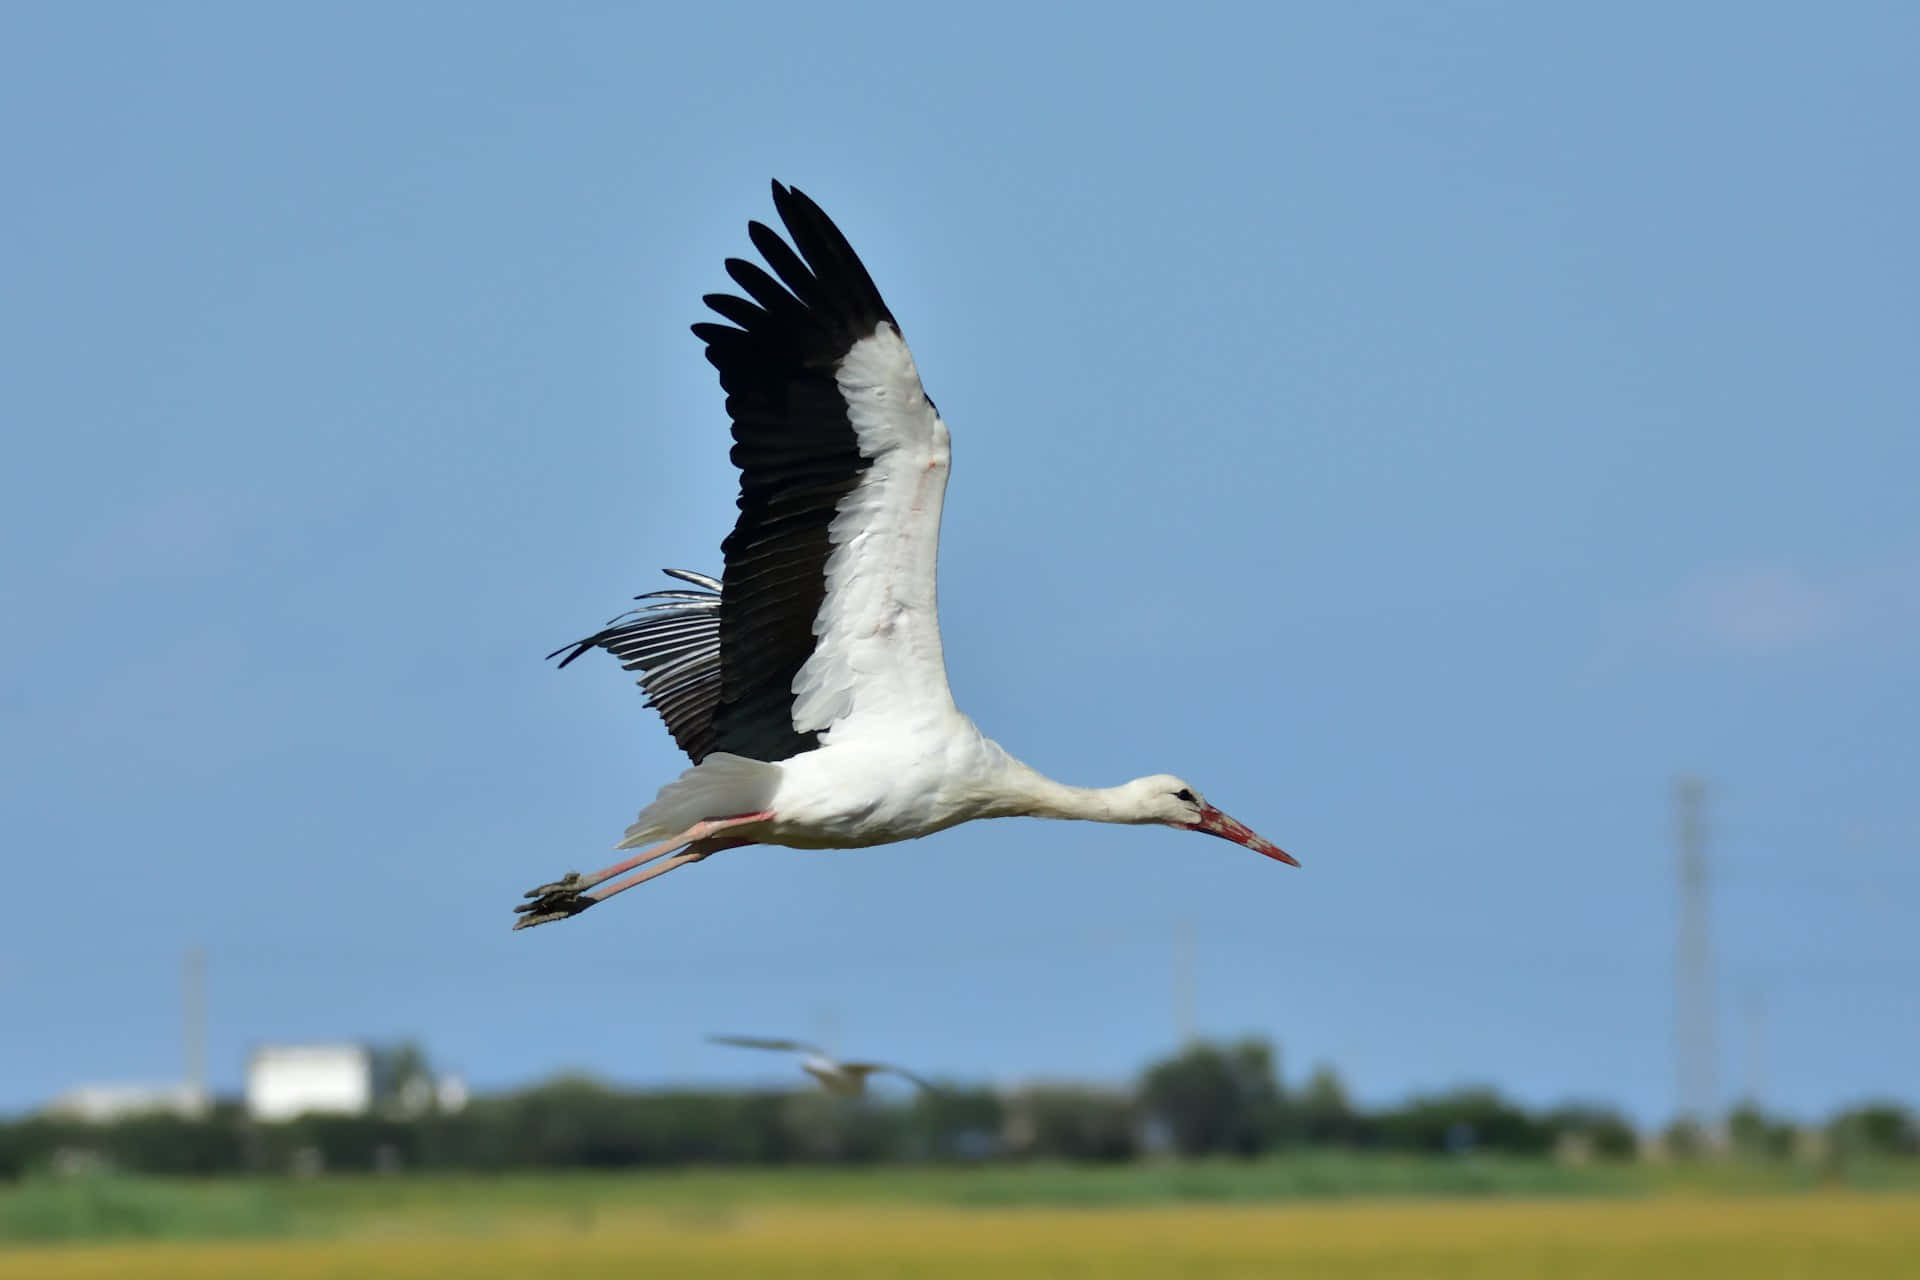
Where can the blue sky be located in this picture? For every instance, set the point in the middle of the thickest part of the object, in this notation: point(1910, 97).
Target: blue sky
point(1427, 430)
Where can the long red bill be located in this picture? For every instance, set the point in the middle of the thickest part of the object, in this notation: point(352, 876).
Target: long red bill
point(1216, 823)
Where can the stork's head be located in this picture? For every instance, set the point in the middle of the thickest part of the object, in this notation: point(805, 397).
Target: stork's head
point(1173, 802)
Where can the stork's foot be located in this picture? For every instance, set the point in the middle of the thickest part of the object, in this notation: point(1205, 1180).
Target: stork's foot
point(554, 901)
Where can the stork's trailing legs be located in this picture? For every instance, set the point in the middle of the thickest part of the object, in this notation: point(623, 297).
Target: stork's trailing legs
point(569, 896)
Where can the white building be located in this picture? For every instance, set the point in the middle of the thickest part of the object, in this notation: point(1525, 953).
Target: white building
point(288, 1080)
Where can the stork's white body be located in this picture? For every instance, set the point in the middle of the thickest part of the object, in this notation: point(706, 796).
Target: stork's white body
point(836, 1078)
point(848, 795)
point(810, 686)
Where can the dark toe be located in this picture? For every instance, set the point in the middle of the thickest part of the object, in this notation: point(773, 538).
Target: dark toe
point(550, 907)
point(565, 884)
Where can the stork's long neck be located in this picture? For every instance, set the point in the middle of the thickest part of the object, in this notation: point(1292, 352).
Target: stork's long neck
point(1035, 795)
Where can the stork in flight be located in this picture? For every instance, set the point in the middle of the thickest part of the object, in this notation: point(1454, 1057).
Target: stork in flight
point(807, 683)
point(848, 1079)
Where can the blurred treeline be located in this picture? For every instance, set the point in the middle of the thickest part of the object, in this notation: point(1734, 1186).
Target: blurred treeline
point(1208, 1099)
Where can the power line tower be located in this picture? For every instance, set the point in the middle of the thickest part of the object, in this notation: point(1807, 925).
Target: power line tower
point(1694, 1050)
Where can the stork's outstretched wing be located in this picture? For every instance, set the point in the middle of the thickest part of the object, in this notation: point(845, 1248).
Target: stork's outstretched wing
point(760, 1042)
point(828, 612)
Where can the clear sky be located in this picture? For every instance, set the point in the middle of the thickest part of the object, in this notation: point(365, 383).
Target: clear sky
point(1428, 429)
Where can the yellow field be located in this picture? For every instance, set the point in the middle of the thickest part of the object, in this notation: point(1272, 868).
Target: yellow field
point(1850, 1236)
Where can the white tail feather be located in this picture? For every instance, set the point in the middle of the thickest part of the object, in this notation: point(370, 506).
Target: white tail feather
point(720, 786)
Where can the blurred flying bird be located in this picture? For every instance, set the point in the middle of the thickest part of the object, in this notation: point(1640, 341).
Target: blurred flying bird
point(807, 683)
point(848, 1079)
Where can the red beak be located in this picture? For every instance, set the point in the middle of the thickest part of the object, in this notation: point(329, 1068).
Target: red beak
point(1216, 823)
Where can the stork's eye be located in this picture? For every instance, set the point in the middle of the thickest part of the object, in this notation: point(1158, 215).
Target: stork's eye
point(1184, 794)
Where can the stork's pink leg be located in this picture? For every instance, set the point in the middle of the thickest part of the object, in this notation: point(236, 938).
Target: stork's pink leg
point(568, 896)
point(699, 851)
point(698, 831)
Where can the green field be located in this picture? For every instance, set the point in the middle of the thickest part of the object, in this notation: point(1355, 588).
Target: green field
point(45, 1210)
point(1323, 1214)
point(1857, 1235)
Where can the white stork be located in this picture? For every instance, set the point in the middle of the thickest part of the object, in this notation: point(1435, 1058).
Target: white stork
point(807, 684)
point(847, 1079)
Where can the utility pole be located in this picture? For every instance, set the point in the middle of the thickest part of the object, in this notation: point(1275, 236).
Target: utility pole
point(1183, 981)
point(193, 983)
point(1694, 1050)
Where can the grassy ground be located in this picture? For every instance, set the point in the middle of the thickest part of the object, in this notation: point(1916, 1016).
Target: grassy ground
point(44, 1210)
point(1861, 1236)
